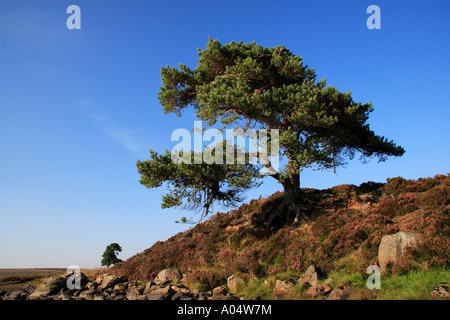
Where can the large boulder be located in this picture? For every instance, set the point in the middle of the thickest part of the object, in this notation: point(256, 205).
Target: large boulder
point(168, 275)
point(393, 246)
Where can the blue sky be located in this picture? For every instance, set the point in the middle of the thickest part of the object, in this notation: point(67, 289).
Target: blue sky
point(79, 107)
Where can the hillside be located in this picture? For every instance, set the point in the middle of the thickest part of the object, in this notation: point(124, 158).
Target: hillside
point(341, 238)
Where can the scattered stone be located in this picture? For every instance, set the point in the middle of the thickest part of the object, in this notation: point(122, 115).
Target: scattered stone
point(440, 292)
point(393, 246)
point(231, 297)
point(148, 287)
point(282, 288)
point(66, 295)
point(99, 278)
point(311, 277)
point(86, 295)
point(93, 285)
point(220, 291)
point(318, 290)
point(339, 294)
point(180, 295)
point(49, 287)
point(234, 282)
point(15, 295)
point(132, 295)
point(203, 296)
point(109, 281)
point(161, 294)
point(98, 296)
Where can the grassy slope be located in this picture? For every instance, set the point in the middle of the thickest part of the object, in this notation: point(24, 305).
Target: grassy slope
point(342, 238)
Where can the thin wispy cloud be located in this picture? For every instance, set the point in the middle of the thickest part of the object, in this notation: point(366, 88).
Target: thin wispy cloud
point(106, 123)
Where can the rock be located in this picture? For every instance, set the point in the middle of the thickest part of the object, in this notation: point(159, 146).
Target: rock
point(134, 291)
point(161, 294)
point(220, 291)
point(168, 275)
point(178, 296)
point(66, 295)
point(339, 294)
point(15, 295)
point(234, 282)
point(311, 276)
point(195, 293)
point(203, 296)
point(122, 287)
point(86, 295)
point(231, 297)
point(94, 285)
point(393, 246)
point(49, 287)
point(109, 281)
point(282, 288)
point(440, 292)
point(318, 290)
point(132, 295)
point(148, 287)
point(99, 278)
point(77, 292)
point(329, 280)
point(121, 297)
point(76, 279)
point(98, 296)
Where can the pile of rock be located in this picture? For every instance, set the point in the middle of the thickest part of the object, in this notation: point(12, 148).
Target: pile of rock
point(110, 287)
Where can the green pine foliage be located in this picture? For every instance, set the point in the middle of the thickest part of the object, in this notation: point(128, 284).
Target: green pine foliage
point(247, 85)
point(109, 257)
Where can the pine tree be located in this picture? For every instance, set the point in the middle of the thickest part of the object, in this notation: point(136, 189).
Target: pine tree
point(109, 257)
point(251, 86)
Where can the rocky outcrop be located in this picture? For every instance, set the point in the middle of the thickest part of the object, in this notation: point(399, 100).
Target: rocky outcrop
point(393, 246)
point(110, 287)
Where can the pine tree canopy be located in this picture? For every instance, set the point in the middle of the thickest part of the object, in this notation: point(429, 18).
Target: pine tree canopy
point(250, 86)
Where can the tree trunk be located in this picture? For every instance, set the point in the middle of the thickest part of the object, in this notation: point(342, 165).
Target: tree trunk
point(294, 198)
point(294, 203)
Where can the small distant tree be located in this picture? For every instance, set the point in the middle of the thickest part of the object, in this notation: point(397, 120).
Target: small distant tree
point(110, 255)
